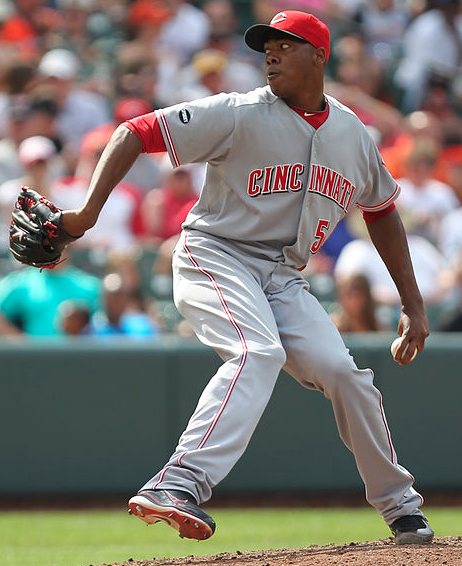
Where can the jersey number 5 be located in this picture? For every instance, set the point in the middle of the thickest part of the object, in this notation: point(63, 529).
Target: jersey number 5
point(321, 229)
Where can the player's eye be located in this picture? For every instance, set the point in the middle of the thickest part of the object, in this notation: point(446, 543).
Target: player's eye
point(280, 45)
point(283, 45)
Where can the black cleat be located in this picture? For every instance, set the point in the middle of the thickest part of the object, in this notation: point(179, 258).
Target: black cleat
point(411, 529)
point(176, 508)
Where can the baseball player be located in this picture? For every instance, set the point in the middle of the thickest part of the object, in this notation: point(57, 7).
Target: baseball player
point(285, 163)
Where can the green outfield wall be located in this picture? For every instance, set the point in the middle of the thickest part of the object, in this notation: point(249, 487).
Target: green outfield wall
point(100, 418)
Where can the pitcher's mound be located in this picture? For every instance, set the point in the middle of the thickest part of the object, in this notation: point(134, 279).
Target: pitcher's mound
point(442, 551)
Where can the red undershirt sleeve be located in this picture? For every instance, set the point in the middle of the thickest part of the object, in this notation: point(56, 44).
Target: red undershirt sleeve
point(147, 128)
point(373, 216)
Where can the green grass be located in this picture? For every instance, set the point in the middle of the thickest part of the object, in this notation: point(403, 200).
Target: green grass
point(81, 538)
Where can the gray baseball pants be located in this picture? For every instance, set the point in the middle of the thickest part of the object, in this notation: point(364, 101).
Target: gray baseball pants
point(260, 317)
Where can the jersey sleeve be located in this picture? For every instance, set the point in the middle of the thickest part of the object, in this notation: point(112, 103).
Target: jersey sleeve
point(377, 214)
point(381, 189)
point(147, 128)
point(198, 131)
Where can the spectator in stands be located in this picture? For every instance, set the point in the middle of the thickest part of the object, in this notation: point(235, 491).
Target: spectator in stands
point(35, 154)
point(16, 78)
point(135, 76)
point(27, 26)
point(89, 28)
point(382, 23)
point(43, 116)
point(78, 110)
point(146, 171)
point(163, 209)
point(358, 81)
point(17, 130)
point(451, 321)
point(30, 298)
point(161, 282)
point(143, 56)
point(72, 32)
point(450, 156)
point(424, 201)
point(212, 71)
point(360, 257)
point(417, 125)
point(356, 310)
point(450, 234)
point(119, 226)
point(74, 318)
point(356, 66)
point(224, 32)
point(432, 49)
point(30, 116)
point(186, 31)
point(122, 312)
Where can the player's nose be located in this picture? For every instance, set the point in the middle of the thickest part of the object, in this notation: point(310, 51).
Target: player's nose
point(271, 58)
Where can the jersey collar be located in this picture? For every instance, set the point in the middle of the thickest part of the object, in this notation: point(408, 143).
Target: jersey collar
point(315, 119)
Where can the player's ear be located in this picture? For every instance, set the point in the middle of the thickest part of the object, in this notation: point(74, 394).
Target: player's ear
point(321, 56)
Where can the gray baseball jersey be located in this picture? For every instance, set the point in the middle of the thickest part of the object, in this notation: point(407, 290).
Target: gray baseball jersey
point(272, 179)
point(275, 189)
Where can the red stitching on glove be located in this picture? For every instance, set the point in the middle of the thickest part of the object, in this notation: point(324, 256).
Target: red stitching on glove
point(52, 265)
point(30, 202)
point(53, 229)
point(50, 205)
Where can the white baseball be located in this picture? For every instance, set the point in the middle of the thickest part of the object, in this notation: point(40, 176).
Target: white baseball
point(396, 344)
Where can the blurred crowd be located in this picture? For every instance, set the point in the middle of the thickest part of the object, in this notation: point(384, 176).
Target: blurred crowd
point(72, 70)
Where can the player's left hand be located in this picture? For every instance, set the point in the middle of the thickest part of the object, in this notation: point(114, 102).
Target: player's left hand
point(413, 327)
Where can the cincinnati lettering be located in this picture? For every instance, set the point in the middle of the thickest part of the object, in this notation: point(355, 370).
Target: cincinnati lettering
point(332, 185)
point(275, 179)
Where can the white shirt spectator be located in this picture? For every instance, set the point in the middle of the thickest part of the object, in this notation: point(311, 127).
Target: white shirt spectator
point(360, 257)
point(450, 236)
point(114, 227)
point(423, 208)
point(79, 110)
point(186, 32)
point(82, 111)
point(383, 29)
point(428, 44)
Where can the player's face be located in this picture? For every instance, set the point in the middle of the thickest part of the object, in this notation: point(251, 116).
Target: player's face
point(292, 68)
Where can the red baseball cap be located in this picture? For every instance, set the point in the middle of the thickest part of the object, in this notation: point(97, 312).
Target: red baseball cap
point(293, 23)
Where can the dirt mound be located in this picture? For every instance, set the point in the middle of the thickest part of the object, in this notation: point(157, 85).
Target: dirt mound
point(443, 550)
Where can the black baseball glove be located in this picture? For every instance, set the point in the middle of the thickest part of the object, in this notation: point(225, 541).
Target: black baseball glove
point(37, 237)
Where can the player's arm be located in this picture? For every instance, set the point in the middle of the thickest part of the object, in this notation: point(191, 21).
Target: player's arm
point(118, 156)
point(389, 238)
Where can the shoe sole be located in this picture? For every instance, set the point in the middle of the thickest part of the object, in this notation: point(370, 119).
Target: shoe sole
point(414, 538)
point(189, 526)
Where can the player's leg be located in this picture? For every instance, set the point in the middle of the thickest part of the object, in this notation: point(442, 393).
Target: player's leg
point(318, 358)
point(224, 303)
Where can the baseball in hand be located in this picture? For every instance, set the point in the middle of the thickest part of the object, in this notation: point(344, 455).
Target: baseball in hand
point(396, 344)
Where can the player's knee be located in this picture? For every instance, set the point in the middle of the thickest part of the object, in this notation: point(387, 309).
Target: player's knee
point(278, 355)
point(348, 378)
point(338, 373)
point(273, 355)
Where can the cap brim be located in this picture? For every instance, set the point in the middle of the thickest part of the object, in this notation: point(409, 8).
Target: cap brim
point(256, 35)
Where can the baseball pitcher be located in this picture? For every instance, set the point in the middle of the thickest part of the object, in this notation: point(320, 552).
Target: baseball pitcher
point(285, 163)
